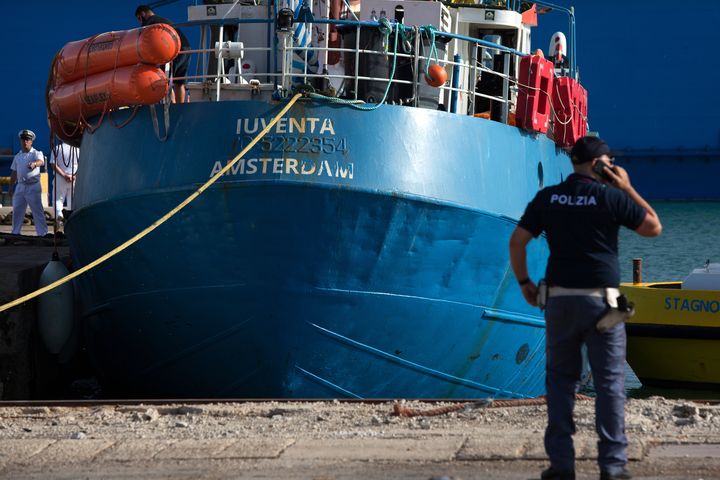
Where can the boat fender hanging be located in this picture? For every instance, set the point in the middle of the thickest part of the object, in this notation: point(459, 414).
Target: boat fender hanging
point(55, 308)
point(436, 75)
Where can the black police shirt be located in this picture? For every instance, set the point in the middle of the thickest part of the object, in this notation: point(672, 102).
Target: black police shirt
point(581, 218)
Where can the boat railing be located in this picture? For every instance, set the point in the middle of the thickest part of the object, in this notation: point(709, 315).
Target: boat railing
point(366, 64)
point(217, 79)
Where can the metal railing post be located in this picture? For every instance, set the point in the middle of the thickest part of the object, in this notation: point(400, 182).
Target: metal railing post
point(357, 59)
point(271, 42)
point(200, 63)
point(455, 83)
point(416, 62)
point(506, 88)
point(220, 65)
point(285, 78)
point(305, 67)
point(473, 81)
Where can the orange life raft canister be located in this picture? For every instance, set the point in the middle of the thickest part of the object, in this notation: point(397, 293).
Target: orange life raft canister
point(131, 85)
point(152, 45)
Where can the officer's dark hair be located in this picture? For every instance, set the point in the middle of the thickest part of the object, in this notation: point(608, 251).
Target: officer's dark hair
point(142, 9)
point(588, 148)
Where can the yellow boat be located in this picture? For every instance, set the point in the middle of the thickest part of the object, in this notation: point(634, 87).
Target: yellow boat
point(674, 336)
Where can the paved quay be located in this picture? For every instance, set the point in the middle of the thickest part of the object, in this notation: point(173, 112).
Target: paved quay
point(669, 439)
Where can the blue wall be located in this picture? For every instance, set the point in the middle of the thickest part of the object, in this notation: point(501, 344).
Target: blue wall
point(31, 34)
point(649, 66)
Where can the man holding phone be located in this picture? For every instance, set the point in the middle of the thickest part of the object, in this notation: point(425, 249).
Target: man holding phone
point(581, 218)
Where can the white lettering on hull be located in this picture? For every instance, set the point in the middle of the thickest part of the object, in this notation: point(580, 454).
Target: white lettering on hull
point(303, 125)
point(288, 166)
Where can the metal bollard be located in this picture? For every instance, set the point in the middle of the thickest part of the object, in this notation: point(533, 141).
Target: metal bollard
point(637, 270)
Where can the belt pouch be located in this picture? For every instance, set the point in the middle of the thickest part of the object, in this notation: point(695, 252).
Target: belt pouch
point(542, 294)
point(615, 315)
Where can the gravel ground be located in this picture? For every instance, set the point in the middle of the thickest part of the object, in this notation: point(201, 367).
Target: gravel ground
point(651, 420)
point(691, 426)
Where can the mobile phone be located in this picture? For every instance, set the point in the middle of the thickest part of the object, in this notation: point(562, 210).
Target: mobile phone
point(600, 170)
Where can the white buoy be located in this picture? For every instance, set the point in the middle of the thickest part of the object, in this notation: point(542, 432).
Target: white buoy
point(558, 46)
point(55, 308)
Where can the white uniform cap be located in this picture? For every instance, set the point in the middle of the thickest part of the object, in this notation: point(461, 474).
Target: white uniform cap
point(26, 133)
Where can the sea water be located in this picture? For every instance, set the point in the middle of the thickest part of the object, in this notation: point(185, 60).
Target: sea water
point(690, 237)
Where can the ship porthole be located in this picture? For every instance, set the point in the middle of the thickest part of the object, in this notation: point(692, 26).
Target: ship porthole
point(541, 176)
point(522, 353)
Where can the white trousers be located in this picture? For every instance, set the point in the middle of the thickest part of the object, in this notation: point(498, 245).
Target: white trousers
point(62, 196)
point(28, 195)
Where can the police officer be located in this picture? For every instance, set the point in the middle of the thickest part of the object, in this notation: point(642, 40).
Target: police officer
point(581, 218)
point(25, 170)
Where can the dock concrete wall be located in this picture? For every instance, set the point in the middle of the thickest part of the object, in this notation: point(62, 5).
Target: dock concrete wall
point(27, 369)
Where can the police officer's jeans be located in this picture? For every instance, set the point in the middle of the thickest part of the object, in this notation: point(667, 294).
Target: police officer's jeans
point(570, 323)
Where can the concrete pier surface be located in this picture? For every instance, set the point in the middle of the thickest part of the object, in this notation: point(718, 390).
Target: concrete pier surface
point(669, 439)
point(25, 369)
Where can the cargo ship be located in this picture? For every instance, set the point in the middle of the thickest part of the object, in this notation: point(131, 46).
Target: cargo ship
point(360, 249)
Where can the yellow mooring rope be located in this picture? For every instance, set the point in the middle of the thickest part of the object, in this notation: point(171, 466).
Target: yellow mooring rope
point(158, 222)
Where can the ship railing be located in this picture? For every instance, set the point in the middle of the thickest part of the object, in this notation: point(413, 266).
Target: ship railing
point(279, 80)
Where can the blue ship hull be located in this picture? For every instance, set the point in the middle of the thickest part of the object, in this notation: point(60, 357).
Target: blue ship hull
point(361, 254)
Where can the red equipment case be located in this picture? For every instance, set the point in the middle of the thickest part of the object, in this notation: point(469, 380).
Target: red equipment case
point(536, 77)
point(569, 101)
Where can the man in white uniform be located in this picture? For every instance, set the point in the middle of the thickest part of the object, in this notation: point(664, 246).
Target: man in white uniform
point(25, 170)
point(64, 159)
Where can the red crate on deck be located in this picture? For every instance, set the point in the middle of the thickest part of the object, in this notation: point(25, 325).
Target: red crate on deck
point(569, 101)
point(581, 102)
point(536, 77)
